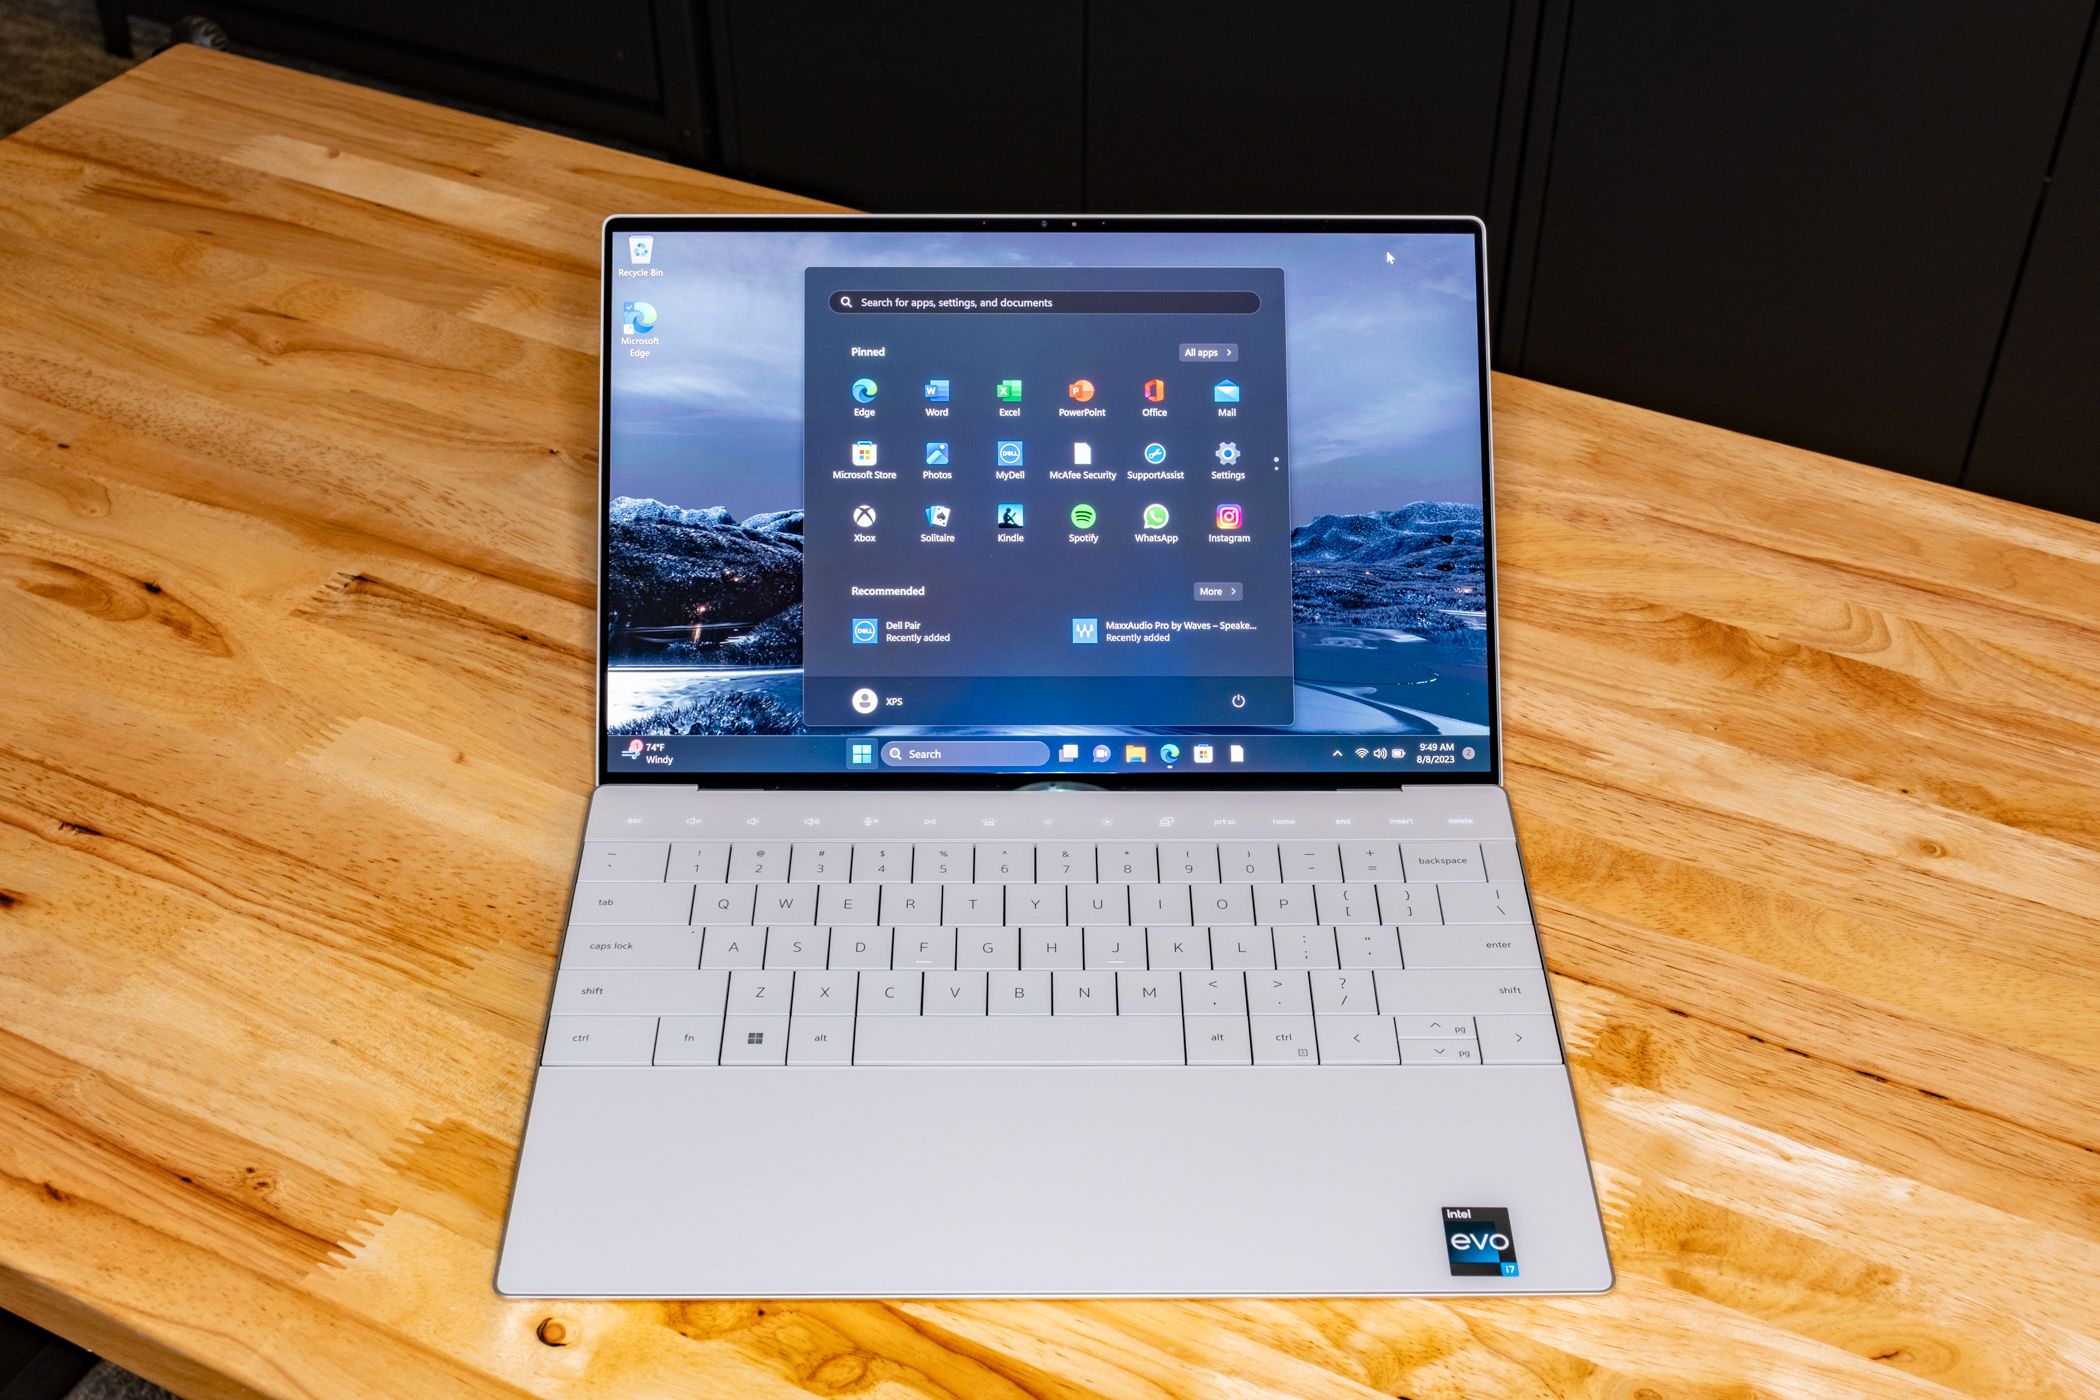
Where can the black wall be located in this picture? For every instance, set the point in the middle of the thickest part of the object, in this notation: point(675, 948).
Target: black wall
point(1864, 228)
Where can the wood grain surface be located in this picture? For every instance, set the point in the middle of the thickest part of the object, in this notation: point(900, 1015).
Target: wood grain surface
point(297, 407)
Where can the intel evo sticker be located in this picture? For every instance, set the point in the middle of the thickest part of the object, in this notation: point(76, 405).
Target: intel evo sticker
point(1479, 1241)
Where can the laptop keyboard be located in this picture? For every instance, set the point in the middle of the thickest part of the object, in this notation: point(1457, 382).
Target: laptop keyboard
point(1306, 953)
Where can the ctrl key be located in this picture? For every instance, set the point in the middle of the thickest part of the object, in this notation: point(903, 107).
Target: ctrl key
point(599, 1040)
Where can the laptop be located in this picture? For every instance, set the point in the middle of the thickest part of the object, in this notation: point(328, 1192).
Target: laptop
point(1049, 838)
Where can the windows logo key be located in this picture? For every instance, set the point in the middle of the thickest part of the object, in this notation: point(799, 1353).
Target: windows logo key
point(1479, 1241)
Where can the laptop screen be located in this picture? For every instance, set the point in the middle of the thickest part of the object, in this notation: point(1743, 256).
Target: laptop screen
point(1126, 501)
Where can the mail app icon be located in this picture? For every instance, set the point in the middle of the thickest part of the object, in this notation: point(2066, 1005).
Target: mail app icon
point(1225, 391)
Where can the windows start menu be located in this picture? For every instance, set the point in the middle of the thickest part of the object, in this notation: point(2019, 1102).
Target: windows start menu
point(1045, 496)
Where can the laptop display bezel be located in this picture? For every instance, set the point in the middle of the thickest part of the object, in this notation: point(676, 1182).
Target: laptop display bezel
point(1175, 779)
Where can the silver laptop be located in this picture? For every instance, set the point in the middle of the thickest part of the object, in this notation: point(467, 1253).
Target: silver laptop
point(1049, 838)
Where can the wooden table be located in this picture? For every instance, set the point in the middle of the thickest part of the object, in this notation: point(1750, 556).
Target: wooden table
point(297, 404)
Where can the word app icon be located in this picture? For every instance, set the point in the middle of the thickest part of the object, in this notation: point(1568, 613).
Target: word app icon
point(936, 391)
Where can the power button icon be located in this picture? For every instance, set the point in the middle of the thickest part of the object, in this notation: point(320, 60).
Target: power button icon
point(1239, 702)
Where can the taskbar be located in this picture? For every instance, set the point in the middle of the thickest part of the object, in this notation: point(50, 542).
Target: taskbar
point(1047, 755)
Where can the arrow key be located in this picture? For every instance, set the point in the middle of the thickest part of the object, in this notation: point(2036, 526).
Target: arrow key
point(1439, 1052)
point(1518, 1040)
point(1356, 1040)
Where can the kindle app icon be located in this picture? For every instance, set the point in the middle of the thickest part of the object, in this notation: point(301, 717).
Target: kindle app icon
point(1478, 1241)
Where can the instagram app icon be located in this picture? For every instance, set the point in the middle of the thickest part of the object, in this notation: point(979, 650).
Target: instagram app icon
point(1229, 517)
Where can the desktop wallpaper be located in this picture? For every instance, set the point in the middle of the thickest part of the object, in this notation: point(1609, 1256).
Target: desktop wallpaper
point(704, 529)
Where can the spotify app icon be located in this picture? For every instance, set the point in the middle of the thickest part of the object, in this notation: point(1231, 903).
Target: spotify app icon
point(1082, 517)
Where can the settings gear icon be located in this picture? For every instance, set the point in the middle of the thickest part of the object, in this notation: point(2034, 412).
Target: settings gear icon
point(1228, 453)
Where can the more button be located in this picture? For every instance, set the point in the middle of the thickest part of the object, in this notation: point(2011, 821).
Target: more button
point(1219, 592)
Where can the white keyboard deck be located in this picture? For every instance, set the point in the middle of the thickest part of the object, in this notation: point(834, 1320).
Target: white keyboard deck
point(770, 952)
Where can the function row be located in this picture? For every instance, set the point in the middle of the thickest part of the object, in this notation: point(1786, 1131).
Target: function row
point(984, 906)
point(1048, 862)
point(1280, 1038)
point(795, 946)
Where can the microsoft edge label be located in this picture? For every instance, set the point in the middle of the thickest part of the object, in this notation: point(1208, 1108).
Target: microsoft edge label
point(1479, 1241)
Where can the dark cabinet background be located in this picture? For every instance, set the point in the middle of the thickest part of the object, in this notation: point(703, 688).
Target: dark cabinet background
point(1868, 229)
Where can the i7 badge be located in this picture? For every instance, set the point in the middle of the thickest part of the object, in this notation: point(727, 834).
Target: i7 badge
point(1479, 1241)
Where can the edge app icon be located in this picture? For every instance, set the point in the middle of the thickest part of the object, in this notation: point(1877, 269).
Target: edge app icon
point(864, 391)
point(637, 318)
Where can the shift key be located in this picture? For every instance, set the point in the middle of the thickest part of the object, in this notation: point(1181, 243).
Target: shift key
point(1408, 993)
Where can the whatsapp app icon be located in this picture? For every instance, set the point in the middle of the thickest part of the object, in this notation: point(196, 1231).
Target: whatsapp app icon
point(1155, 516)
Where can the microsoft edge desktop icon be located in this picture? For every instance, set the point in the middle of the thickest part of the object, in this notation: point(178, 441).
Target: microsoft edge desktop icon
point(637, 318)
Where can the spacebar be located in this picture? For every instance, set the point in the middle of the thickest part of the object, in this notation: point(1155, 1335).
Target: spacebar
point(1018, 1040)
